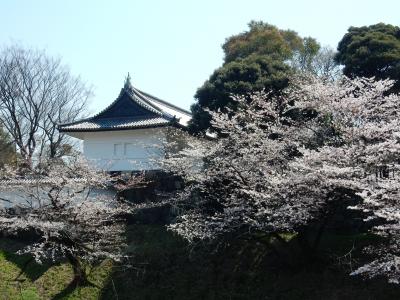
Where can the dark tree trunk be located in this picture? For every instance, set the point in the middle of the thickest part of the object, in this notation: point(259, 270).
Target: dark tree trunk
point(80, 277)
point(53, 150)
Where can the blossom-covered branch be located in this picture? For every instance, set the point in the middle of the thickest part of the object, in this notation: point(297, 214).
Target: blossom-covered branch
point(70, 211)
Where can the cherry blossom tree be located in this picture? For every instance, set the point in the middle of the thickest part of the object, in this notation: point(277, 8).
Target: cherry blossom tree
point(278, 161)
point(367, 117)
point(68, 208)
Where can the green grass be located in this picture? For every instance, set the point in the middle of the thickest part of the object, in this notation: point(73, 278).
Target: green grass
point(45, 281)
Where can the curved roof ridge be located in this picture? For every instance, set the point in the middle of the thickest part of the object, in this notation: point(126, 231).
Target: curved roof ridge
point(156, 99)
point(143, 97)
point(141, 101)
point(133, 98)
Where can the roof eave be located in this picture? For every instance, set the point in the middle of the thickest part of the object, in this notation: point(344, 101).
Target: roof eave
point(172, 123)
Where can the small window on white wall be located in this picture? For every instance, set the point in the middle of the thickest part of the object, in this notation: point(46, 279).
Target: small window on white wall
point(128, 149)
point(118, 151)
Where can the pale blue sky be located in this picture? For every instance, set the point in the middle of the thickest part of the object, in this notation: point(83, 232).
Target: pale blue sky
point(169, 47)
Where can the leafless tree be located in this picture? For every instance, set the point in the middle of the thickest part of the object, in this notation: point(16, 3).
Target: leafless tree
point(36, 93)
point(319, 63)
point(324, 65)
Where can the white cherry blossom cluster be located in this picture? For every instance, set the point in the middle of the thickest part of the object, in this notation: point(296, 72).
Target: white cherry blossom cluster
point(67, 207)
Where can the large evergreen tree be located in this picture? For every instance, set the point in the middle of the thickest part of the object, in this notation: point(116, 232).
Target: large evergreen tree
point(254, 60)
point(371, 51)
point(262, 39)
point(239, 77)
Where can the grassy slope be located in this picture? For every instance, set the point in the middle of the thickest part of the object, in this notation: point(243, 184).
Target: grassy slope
point(167, 269)
point(44, 281)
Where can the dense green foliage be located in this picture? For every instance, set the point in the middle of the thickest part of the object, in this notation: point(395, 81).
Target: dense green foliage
point(371, 51)
point(261, 58)
point(239, 77)
point(263, 39)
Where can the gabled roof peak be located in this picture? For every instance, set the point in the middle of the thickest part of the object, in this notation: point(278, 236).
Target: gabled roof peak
point(132, 109)
point(128, 84)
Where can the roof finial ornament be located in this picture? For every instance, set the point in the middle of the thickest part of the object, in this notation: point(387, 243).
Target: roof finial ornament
point(128, 82)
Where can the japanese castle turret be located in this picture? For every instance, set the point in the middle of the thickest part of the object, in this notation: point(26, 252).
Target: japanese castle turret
point(131, 133)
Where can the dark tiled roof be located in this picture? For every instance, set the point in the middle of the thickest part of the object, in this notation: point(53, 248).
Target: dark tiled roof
point(115, 124)
point(131, 110)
